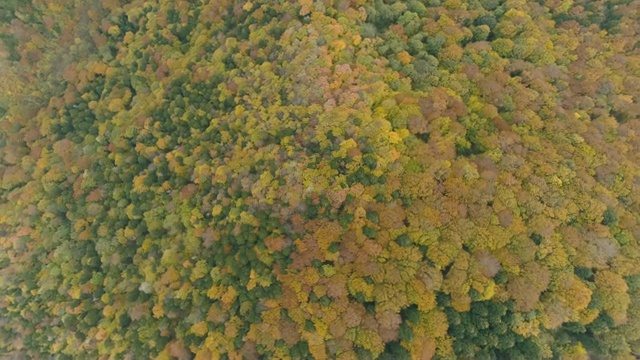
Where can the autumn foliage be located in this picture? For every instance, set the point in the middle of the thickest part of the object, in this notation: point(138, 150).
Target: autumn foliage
point(333, 179)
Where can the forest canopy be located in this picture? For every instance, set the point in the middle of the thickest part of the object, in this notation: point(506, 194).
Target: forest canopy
point(329, 179)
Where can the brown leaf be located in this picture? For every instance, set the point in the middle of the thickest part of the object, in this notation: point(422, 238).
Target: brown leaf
point(176, 349)
point(138, 311)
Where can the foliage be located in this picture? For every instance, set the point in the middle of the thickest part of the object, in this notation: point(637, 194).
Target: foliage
point(331, 179)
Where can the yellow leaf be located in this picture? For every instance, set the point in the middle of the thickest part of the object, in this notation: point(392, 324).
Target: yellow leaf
point(489, 290)
point(214, 292)
point(339, 45)
point(229, 296)
point(221, 174)
point(108, 311)
point(53, 7)
point(161, 143)
point(74, 292)
point(114, 30)
point(252, 280)
point(158, 311)
point(404, 57)
point(305, 7)
point(321, 328)
point(394, 137)
point(200, 328)
point(115, 105)
point(170, 276)
point(203, 354)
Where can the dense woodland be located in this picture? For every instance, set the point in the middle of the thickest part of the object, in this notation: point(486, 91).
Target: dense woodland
point(330, 179)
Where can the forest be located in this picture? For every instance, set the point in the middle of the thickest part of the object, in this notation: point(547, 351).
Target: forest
point(320, 179)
